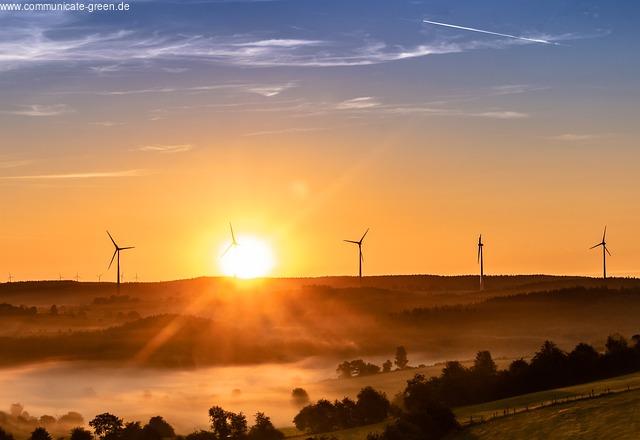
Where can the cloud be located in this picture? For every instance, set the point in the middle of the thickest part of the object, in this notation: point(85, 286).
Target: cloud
point(501, 115)
point(269, 91)
point(574, 137)
point(167, 149)
point(83, 175)
point(40, 110)
point(5, 164)
point(39, 42)
point(284, 131)
point(361, 103)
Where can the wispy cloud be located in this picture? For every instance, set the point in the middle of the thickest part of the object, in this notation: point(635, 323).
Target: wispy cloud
point(40, 110)
point(501, 115)
point(36, 44)
point(166, 149)
point(6, 164)
point(82, 175)
point(284, 131)
point(269, 91)
point(574, 137)
point(363, 102)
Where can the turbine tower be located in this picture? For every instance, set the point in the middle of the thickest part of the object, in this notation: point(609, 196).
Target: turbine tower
point(481, 261)
point(117, 252)
point(360, 257)
point(234, 242)
point(605, 251)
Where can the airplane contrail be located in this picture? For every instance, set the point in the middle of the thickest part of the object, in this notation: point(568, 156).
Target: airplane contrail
point(533, 40)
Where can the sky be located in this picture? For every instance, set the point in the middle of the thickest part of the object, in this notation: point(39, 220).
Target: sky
point(305, 122)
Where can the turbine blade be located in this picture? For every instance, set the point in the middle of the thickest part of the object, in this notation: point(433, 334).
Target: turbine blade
point(125, 248)
point(114, 256)
point(479, 250)
point(595, 246)
point(604, 235)
point(607, 249)
point(361, 256)
point(351, 241)
point(112, 240)
point(227, 250)
point(233, 235)
point(365, 234)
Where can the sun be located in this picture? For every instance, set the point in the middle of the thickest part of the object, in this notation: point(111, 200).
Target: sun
point(251, 257)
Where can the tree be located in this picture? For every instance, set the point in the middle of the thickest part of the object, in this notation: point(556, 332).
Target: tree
point(401, 358)
point(106, 425)
point(53, 310)
point(616, 343)
point(201, 435)
point(316, 418)
point(583, 363)
point(299, 397)
point(158, 428)
point(40, 434)
point(484, 365)
point(344, 370)
point(264, 429)
point(372, 406)
point(4, 435)
point(226, 424)
point(132, 431)
point(386, 366)
point(80, 434)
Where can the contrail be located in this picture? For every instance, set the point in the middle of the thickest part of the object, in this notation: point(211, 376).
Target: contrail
point(533, 40)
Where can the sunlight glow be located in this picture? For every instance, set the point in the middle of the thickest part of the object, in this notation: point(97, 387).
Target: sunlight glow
point(250, 258)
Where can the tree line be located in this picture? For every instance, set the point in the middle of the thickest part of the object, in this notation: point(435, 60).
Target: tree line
point(359, 368)
point(224, 425)
point(550, 367)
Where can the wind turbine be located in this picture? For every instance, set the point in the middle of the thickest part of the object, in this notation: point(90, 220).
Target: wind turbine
point(117, 252)
point(234, 242)
point(605, 251)
point(360, 257)
point(10, 278)
point(481, 261)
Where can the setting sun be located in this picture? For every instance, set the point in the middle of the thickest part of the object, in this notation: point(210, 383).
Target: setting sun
point(249, 257)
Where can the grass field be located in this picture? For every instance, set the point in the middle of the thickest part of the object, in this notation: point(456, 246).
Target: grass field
point(610, 417)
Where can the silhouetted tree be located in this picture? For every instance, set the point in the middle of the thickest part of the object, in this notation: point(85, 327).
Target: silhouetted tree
point(131, 431)
point(424, 418)
point(583, 363)
point(53, 310)
point(401, 358)
point(549, 366)
point(484, 364)
point(299, 397)
point(106, 425)
point(158, 429)
point(40, 434)
point(386, 366)
point(316, 418)
point(4, 435)
point(201, 435)
point(80, 434)
point(344, 370)
point(372, 406)
point(263, 429)
point(226, 424)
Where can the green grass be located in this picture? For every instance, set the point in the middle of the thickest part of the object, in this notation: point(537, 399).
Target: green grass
point(534, 399)
point(615, 416)
point(606, 417)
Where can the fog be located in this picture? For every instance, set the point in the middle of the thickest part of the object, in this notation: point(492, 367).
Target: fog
point(182, 397)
